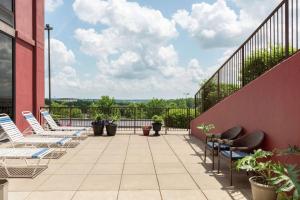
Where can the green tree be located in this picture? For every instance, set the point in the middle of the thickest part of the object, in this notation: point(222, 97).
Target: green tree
point(105, 102)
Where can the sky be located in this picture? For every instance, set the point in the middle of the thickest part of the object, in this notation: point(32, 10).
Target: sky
point(142, 49)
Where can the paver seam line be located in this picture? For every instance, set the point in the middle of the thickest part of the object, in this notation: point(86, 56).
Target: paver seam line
point(123, 166)
point(107, 144)
point(154, 169)
point(185, 167)
point(30, 192)
point(49, 175)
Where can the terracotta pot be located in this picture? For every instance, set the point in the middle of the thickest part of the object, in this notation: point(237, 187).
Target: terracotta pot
point(262, 191)
point(146, 130)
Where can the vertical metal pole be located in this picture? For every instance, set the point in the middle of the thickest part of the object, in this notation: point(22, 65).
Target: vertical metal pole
point(218, 86)
point(168, 117)
point(195, 104)
point(70, 116)
point(49, 67)
point(48, 28)
point(243, 66)
point(286, 28)
point(134, 126)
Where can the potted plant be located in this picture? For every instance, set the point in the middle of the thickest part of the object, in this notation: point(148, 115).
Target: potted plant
point(261, 185)
point(272, 178)
point(111, 126)
point(98, 124)
point(157, 124)
point(146, 130)
point(206, 128)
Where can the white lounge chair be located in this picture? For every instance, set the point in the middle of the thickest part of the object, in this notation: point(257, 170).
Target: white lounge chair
point(38, 129)
point(27, 170)
point(53, 125)
point(17, 138)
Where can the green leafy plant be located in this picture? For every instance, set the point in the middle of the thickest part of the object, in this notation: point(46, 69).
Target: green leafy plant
point(284, 177)
point(254, 163)
point(178, 118)
point(261, 61)
point(114, 118)
point(157, 119)
point(99, 117)
point(206, 128)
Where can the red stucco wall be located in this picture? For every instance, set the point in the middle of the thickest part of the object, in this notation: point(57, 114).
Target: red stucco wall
point(29, 58)
point(270, 103)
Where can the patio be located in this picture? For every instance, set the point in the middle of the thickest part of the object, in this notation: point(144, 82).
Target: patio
point(132, 167)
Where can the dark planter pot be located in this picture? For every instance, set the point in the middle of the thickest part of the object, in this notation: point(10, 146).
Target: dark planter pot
point(111, 129)
point(146, 130)
point(98, 128)
point(156, 128)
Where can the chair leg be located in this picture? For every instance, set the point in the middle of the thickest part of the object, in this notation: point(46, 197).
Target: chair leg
point(213, 159)
point(205, 154)
point(230, 172)
point(219, 159)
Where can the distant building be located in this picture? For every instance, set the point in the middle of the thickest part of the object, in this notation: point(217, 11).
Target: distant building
point(21, 57)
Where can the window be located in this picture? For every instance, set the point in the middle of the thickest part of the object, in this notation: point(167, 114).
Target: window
point(7, 4)
point(6, 75)
point(6, 12)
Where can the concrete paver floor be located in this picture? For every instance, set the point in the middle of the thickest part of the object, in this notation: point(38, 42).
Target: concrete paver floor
point(129, 167)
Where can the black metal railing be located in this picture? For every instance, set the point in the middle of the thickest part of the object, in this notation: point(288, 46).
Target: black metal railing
point(130, 118)
point(273, 41)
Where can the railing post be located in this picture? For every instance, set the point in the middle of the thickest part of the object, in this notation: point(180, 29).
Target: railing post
point(287, 28)
point(168, 122)
point(195, 104)
point(70, 116)
point(219, 86)
point(203, 99)
point(134, 125)
point(188, 118)
point(243, 66)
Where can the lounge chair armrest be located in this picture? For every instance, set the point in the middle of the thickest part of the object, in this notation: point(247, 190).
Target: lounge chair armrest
point(239, 148)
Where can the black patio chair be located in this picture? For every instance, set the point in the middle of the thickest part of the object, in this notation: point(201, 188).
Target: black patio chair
point(239, 148)
point(212, 144)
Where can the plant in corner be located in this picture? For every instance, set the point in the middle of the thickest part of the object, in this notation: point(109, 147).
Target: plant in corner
point(272, 177)
point(146, 130)
point(157, 124)
point(98, 124)
point(111, 126)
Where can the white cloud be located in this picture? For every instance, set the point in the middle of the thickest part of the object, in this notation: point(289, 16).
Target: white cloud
point(64, 77)
point(51, 5)
point(60, 55)
point(129, 17)
point(132, 45)
point(218, 25)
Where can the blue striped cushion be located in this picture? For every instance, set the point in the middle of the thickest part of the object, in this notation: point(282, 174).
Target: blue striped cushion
point(235, 154)
point(63, 141)
point(77, 133)
point(39, 153)
point(222, 146)
point(5, 120)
